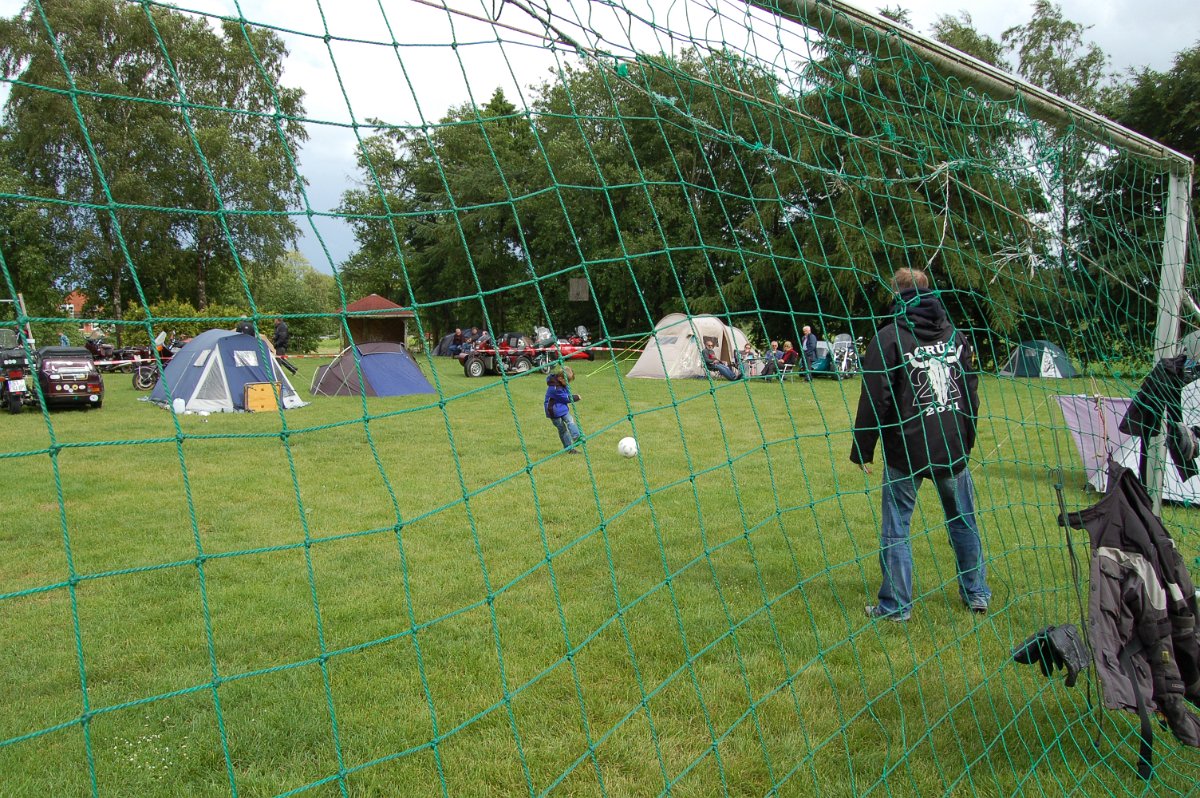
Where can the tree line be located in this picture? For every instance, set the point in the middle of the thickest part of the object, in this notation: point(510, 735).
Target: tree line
point(147, 157)
point(703, 183)
point(161, 169)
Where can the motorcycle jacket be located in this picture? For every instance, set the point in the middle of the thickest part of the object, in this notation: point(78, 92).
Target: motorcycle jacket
point(1141, 611)
point(920, 392)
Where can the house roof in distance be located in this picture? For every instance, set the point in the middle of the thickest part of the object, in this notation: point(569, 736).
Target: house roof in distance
point(379, 306)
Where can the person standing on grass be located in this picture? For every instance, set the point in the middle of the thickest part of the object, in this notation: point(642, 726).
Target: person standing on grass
point(808, 343)
point(280, 342)
point(558, 406)
point(920, 395)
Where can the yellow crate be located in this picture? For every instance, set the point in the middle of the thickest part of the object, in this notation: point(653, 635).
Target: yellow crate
point(262, 396)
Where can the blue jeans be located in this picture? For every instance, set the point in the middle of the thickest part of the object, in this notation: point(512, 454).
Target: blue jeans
point(957, 494)
point(724, 371)
point(568, 430)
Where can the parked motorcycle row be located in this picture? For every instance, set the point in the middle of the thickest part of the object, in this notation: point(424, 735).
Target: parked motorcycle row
point(70, 376)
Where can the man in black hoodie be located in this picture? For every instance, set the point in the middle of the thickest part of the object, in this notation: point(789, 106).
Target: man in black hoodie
point(920, 395)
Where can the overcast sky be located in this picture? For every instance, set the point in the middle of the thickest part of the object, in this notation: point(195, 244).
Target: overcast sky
point(357, 75)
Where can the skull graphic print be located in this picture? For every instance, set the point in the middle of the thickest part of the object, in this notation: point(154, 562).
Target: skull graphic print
point(931, 369)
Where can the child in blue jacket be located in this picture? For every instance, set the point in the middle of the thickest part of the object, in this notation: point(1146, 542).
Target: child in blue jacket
point(558, 410)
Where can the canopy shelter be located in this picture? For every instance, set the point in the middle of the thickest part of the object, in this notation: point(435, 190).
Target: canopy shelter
point(376, 319)
point(387, 370)
point(675, 346)
point(212, 371)
point(1038, 359)
point(1093, 422)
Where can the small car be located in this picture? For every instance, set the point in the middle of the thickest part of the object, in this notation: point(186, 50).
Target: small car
point(69, 378)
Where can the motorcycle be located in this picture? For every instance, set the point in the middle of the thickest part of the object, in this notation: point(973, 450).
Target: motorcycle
point(550, 349)
point(14, 367)
point(845, 355)
point(146, 372)
point(110, 359)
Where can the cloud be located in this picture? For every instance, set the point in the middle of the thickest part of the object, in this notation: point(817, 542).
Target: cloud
point(407, 63)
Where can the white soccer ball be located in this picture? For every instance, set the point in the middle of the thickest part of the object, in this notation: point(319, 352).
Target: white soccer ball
point(627, 447)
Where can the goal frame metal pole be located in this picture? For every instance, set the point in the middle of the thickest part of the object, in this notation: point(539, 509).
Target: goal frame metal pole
point(863, 29)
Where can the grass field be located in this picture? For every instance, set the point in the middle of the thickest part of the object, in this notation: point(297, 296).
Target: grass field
point(438, 601)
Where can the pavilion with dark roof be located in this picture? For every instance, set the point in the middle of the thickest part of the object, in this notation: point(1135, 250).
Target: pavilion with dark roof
point(374, 318)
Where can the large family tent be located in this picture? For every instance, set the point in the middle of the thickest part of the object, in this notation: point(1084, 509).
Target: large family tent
point(387, 370)
point(212, 371)
point(1038, 359)
point(674, 348)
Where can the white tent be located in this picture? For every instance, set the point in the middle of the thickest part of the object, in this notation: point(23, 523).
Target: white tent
point(675, 346)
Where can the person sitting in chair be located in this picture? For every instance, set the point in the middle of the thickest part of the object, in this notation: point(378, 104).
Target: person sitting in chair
point(791, 357)
point(714, 363)
point(748, 360)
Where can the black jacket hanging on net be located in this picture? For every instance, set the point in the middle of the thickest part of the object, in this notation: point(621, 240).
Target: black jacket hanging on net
point(1160, 398)
point(1141, 611)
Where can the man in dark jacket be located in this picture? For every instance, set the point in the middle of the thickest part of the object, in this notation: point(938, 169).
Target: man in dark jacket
point(280, 342)
point(920, 395)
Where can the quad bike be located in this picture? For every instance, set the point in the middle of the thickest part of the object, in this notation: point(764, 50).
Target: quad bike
point(514, 354)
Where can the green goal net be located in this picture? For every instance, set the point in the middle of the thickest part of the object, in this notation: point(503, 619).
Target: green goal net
point(353, 593)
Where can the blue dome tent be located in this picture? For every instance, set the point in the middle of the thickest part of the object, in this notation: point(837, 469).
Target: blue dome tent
point(212, 371)
point(387, 370)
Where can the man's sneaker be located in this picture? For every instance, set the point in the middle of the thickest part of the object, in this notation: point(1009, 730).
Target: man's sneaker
point(574, 451)
point(874, 613)
point(977, 606)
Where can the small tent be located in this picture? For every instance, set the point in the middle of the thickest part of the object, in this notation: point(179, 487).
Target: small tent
point(442, 349)
point(1038, 359)
point(387, 370)
point(675, 346)
point(212, 371)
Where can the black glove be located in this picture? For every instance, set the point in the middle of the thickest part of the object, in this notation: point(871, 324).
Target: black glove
point(1184, 725)
point(575, 397)
point(1055, 647)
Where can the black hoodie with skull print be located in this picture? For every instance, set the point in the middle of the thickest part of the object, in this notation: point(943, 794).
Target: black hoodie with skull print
point(920, 391)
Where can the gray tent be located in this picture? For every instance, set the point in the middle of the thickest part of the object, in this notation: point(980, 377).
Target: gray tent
point(1038, 359)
